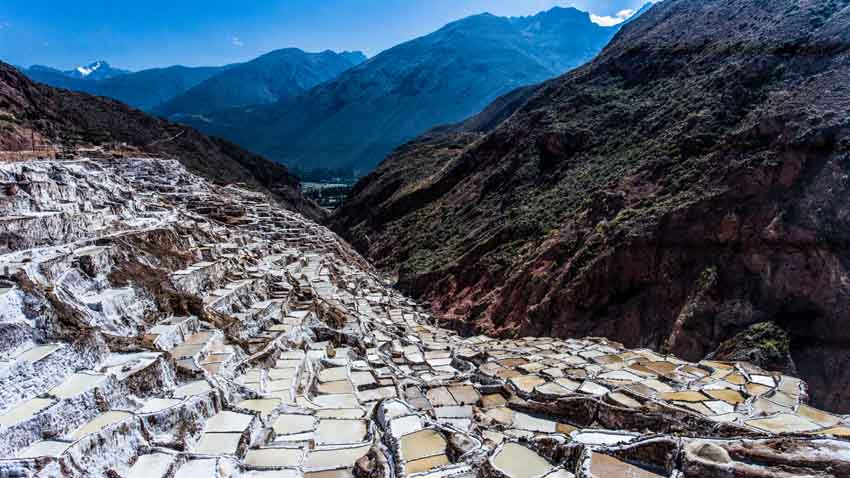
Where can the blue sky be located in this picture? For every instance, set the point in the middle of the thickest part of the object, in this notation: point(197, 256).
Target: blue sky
point(144, 34)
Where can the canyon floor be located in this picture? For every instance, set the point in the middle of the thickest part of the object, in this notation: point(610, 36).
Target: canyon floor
point(155, 325)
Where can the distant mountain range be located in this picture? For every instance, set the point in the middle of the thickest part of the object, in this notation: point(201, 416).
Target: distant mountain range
point(275, 76)
point(143, 89)
point(355, 120)
point(98, 70)
point(340, 111)
point(180, 90)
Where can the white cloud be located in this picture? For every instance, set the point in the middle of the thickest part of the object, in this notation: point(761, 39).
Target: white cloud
point(236, 42)
point(607, 20)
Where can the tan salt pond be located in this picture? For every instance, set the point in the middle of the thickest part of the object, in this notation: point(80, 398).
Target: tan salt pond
point(379, 393)
point(503, 415)
point(459, 411)
point(766, 407)
point(685, 396)
point(263, 405)
point(344, 473)
point(337, 387)
point(818, 416)
point(38, 353)
point(719, 407)
point(126, 365)
point(404, 425)
point(493, 400)
point(333, 432)
point(272, 474)
point(421, 444)
point(342, 413)
point(44, 448)
point(287, 363)
point(186, 350)
point(336, 401)
point(624, 400)
point(226, 421)
point(24, 411)
point(784, 423)
point(783, 399)
point(282, 373)
point(526, 383)
point(425, 464)
point(570, 385)
point(440, 396)
point(292, 354)
point(620, 376)
point(657, 385)
point(337, 458)
point(218, 444)
point(191, 389)
point(156, 405)
point(294, 424)
point(730, 396)
point(77, 384)
point(251, 376)
point(560, 473)
point(198, 469)
point(155, 465)
point(100, 422)
point(280, 385)
point(534, 424)
point(592, 388)
point(552, 388)
point(604, 466)
point(839, 431)
point(465, 394)
point(333, 374)
point(363, 378)
point(274, 457)
point(517, 461)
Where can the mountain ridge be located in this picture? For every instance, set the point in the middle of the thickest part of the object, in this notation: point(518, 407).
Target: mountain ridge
point(143, 89)
point(272, 77)
point(354, 120)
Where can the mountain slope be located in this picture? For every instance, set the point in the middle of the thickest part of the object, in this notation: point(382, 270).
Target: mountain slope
point(687, 184)
point(273, 77)
point(60, 116)
point(356, 119)
point(144, 89)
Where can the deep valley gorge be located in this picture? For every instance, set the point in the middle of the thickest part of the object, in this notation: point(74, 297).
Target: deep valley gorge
point(559, 245)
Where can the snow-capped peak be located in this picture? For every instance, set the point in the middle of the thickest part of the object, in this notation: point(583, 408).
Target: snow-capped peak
point(88, 70)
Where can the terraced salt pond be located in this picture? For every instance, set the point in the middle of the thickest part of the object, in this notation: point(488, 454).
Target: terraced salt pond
point(267, 348)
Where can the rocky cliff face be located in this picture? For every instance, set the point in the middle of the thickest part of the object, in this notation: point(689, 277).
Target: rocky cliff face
point(689, 183)
point(53, 117)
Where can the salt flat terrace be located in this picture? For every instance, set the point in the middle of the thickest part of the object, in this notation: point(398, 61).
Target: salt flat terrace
point(154, 325)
